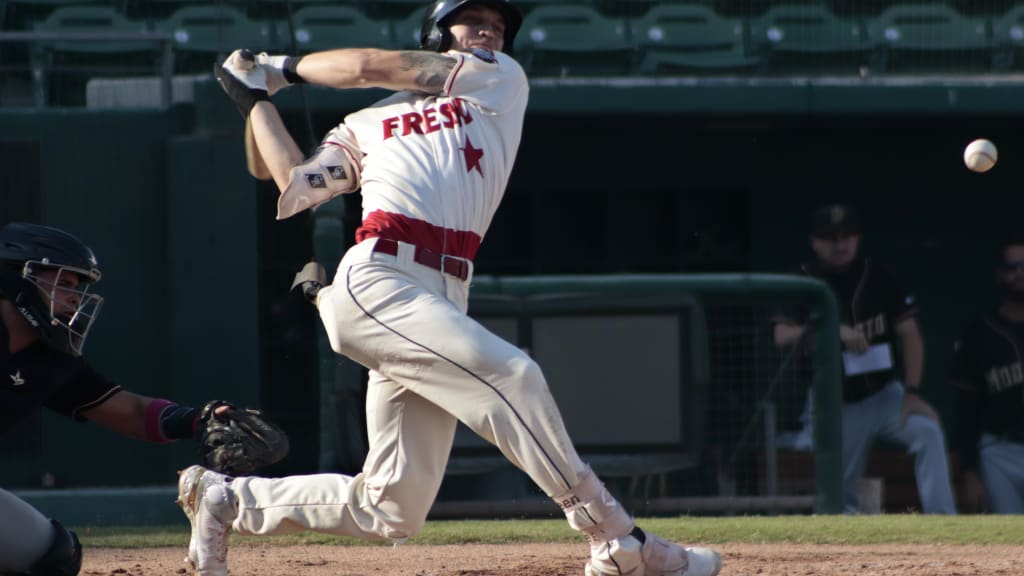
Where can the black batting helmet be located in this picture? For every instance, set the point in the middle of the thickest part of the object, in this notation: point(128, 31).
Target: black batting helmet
point(27, 250)
point(435, 35)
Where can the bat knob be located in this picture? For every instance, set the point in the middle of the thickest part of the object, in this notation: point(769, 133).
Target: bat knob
point(246, 59)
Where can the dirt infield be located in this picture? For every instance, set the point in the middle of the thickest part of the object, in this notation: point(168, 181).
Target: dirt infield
point(564, 560)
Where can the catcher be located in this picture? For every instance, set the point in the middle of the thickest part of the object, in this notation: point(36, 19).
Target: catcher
point(46, 310)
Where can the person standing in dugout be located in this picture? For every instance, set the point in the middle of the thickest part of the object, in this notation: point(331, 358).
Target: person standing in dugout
point(988, 378)
point(877, 320)
point(47, 309)
point(434, 160)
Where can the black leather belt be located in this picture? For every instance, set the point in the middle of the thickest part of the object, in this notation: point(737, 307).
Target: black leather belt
point(452, 265)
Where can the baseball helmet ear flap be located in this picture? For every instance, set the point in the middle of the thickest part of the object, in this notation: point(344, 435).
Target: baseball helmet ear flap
point(434, 34)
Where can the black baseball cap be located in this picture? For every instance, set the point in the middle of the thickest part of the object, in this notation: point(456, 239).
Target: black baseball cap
point(833, 219)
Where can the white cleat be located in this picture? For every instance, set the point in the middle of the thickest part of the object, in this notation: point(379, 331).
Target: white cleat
point(703, 562)
point(627, 556)
point(209, 505)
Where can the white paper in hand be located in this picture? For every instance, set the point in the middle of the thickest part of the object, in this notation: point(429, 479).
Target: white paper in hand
point(875, 359)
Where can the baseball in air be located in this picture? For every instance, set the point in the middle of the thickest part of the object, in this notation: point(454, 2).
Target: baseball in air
point(980, 155)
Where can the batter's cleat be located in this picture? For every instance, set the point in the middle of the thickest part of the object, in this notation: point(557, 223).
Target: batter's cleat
point(643, 554)
point(210, 506)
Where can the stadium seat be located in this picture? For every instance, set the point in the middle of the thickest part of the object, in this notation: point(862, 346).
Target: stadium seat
point(327, 27)
point(1008, 39)
point(406, 31)
point(689, 38)
point(809, 38)
point(204, 33)
point(916, 38)
point(17, 14)
point(388, 9)
point(64, 64)
point(573, 40)
point(635, 8)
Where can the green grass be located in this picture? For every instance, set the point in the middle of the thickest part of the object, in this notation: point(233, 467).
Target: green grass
point(853, 530)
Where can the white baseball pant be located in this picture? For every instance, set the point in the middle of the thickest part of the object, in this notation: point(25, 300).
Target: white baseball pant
point(430, 366)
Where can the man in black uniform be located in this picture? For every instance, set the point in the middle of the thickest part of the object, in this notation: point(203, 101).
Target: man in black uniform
point(47, 308)
point(875, 315)
point(988, 375)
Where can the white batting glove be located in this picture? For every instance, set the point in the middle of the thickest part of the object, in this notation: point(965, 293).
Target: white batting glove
point(273, 66)
point(243, 81)
point(242, 65)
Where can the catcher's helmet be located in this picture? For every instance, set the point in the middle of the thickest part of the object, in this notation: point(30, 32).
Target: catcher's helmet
point(435, 35)
point(61, 310)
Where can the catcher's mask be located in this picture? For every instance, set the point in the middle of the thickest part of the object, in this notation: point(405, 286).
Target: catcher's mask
point(435, 34)
point(46, 273)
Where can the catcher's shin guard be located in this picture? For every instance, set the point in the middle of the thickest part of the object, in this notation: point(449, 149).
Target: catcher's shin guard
point(64, 558)
point(592, 510)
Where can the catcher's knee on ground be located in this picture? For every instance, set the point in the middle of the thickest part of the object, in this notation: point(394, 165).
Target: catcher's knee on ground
point(63, 558)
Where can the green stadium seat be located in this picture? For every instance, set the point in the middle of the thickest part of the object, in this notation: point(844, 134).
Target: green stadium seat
point(19, 14)
point(205, 33)
point(810, 38)
point(406, 31)
point(64, 64)
point(689, 38)
point(1008, 39)
point(389, 9)
point(327, 27)
point(573, 40)
point(915, 38)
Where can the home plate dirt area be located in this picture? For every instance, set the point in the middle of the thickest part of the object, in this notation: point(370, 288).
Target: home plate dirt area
point(561, 560)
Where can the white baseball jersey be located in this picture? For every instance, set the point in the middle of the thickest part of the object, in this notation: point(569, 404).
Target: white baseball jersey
point(466, 137)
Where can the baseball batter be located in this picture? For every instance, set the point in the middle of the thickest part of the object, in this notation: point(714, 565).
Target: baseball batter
point(989, 380)
point(433, 160)
point(47, 309)
point(876, 315)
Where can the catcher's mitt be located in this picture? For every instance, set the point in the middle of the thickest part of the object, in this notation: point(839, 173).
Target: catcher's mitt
point(238, 441)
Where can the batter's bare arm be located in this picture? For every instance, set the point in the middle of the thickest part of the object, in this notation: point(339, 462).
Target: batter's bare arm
point(417, 71)
point(279, 150)
point(411, 70)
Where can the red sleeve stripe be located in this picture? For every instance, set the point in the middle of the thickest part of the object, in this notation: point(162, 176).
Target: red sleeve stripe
point(451, 79)
point(154, 410)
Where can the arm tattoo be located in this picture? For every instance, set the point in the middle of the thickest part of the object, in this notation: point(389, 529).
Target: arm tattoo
point(433, 69)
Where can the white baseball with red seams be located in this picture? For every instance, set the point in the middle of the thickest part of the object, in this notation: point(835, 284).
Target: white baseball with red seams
point(980, 155)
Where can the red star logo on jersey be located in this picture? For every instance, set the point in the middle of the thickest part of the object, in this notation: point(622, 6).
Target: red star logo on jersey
point(473, 156)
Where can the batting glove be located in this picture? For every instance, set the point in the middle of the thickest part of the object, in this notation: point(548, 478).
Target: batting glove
point(280, 70)
point(243, 81)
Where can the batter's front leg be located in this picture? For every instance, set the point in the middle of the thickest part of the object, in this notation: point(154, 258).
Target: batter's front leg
point(410, 441)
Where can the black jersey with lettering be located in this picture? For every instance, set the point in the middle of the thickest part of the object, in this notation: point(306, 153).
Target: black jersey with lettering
point(41, 376)
point(870, 299)
point(988, 376)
